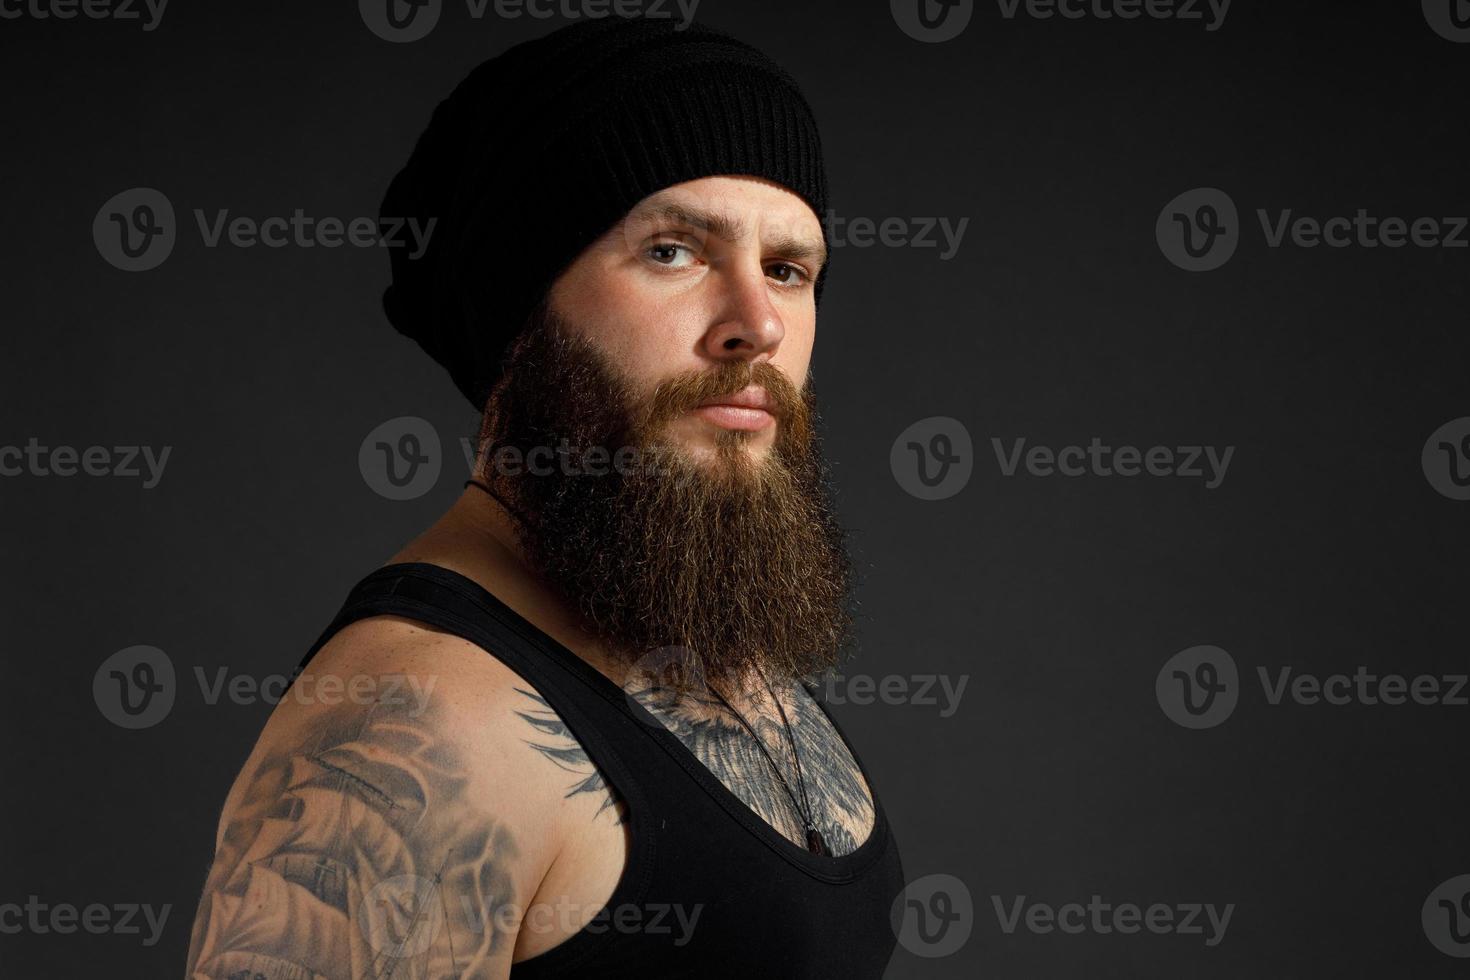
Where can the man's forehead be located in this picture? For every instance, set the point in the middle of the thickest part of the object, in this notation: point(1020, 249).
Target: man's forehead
point(775, 212)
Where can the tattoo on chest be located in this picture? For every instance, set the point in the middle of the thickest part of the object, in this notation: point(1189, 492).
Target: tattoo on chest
point(842, 809)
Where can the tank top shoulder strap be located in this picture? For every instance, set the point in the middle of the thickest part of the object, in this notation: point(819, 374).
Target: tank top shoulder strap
point(440, 598)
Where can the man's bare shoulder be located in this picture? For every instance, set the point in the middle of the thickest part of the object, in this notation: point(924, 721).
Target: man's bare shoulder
point(438, 684)
point(401, 763)
point(466, 683)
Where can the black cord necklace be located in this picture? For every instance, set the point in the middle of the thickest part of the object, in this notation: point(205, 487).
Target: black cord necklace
point(478, 484)
point(814, 840)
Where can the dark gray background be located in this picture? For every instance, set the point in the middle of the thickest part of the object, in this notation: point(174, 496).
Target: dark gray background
point(1325, 548)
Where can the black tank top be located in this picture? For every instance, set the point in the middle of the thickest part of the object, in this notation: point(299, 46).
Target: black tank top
point(766, 906)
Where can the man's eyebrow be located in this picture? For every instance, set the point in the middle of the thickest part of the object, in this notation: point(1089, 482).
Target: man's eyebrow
point(732, 229)
point(723, 224)
point(808, 249)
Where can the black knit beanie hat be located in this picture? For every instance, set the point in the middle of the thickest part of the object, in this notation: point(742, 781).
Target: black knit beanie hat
point(542, 149)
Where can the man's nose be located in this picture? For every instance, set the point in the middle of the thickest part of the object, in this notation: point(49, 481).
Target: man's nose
point(747, 326)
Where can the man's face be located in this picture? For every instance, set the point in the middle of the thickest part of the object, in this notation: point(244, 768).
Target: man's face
point(720, 539)
point(701, 277)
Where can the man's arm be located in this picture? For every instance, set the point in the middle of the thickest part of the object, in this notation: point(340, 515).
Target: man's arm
point(388, 833)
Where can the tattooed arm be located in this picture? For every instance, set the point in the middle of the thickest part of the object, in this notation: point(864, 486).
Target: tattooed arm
point(395, 832)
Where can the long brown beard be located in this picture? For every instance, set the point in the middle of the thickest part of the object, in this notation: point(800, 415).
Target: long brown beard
point(733, 560)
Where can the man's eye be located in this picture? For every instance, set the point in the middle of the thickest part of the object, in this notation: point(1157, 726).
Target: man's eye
point(670, 254)
point(787, 274)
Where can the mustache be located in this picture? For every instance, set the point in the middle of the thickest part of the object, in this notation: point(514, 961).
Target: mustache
point(675, 396)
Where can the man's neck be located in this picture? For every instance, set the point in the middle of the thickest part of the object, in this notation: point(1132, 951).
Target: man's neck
point(476, 537)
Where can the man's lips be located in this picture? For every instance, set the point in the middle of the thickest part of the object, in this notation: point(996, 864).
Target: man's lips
point(748, 409)
point(751, 396)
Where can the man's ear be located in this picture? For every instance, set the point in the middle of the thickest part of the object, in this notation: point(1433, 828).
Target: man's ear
point(491, 421)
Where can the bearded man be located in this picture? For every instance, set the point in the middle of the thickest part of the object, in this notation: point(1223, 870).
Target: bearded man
point(573, 730)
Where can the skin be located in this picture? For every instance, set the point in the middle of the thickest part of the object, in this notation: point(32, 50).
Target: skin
point(508, 802)
point(663, 296)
